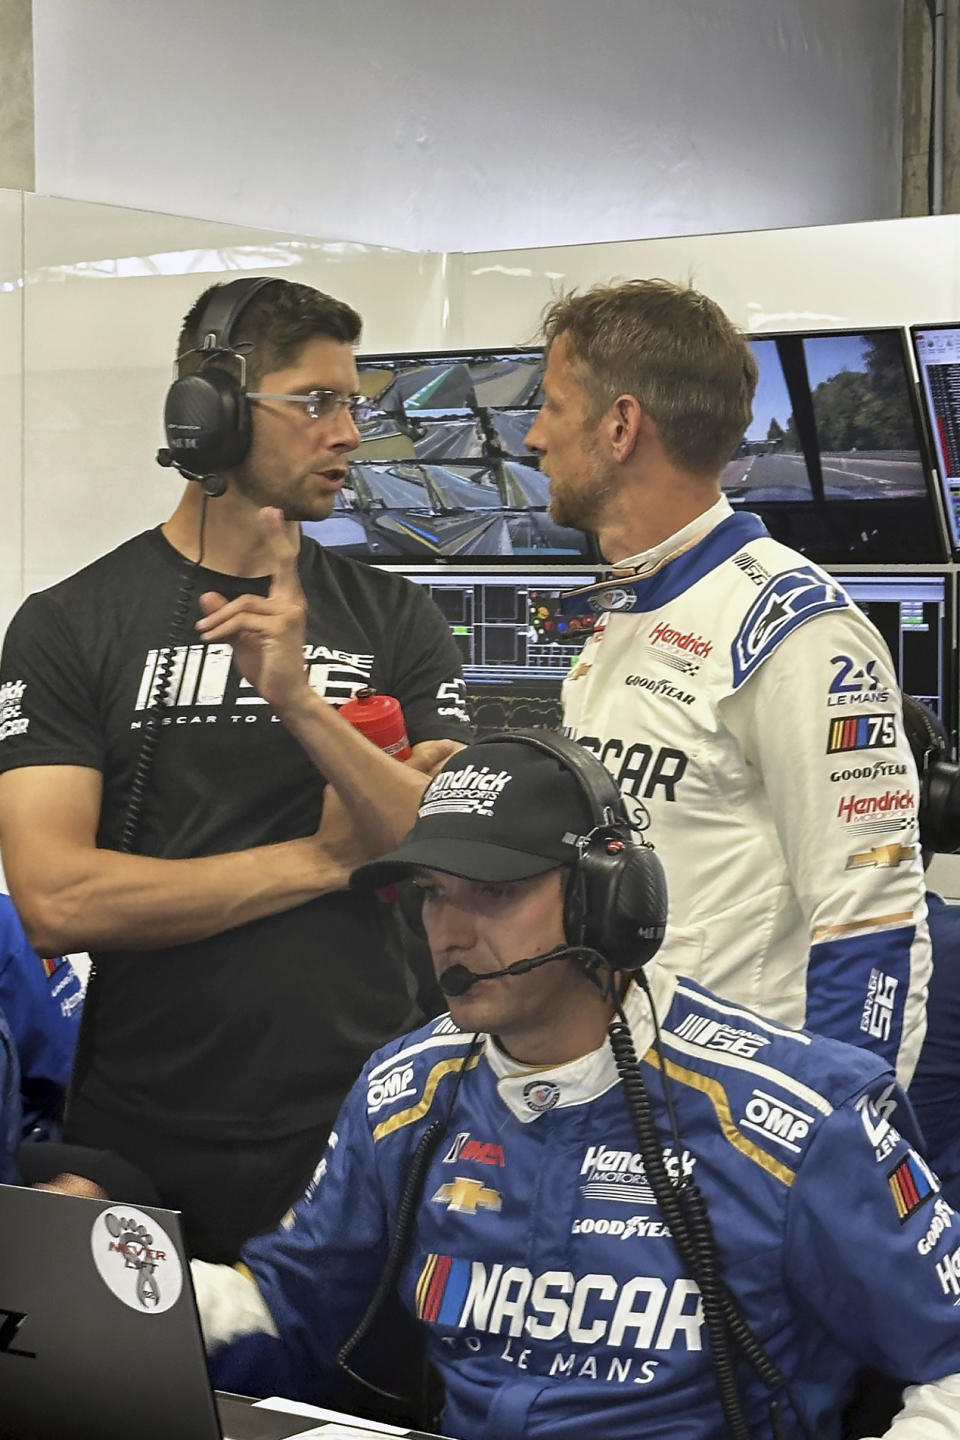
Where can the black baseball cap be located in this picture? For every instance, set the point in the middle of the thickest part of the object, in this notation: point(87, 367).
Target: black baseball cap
point(496, 811)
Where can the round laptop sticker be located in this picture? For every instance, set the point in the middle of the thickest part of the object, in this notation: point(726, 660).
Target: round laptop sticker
point(136, 1259)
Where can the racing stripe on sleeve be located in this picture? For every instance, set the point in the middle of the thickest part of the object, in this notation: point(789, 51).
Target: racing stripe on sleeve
point(416, 1112)
point(717, 1096)
point(857, 984)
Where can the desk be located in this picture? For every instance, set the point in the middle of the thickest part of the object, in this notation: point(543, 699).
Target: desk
point(242, 1419)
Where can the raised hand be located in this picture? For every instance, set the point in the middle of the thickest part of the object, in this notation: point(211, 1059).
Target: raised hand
point(266, 631)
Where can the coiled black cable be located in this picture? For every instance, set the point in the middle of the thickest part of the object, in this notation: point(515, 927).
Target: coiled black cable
point(406, 1218)
point(161, 697)
point(676, 1205)
point(684, 1209)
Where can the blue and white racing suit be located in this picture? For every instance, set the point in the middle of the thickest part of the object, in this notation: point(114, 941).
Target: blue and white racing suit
point(554, 1300)
point(751, 717)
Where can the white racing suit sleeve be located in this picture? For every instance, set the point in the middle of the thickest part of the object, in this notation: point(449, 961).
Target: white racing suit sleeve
point(821, 720)
point(229, 1304)
point(930, 1412)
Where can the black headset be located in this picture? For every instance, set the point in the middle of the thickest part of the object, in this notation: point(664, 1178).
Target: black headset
point(939, 804)
point(616, 897)
point(206, 415)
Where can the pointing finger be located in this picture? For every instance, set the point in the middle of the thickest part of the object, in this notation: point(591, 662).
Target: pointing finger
point(283, 547)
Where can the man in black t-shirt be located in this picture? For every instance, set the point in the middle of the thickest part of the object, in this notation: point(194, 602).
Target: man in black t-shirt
point(237, 986)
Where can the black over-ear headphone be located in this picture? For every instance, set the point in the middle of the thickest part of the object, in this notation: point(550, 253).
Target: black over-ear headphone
point(939, 804)
point(616, 897)
point(206, 415)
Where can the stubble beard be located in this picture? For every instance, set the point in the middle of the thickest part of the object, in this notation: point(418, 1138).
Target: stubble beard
point(582, 508)
point(249, 483)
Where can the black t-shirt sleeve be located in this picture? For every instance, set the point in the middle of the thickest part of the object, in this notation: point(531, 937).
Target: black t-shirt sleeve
point(425, 672)
point(48, 715)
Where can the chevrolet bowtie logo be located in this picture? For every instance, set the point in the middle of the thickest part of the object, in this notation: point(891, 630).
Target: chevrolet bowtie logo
point(881, 857)
point(467, 1196)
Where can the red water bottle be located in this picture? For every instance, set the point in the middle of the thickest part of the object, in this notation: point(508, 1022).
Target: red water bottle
point(380, 718)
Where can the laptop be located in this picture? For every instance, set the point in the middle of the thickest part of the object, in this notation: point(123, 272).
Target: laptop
point(99, 1333)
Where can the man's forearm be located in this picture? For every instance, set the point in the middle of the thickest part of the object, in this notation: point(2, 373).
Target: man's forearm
point(380, 796)
point(101, 899)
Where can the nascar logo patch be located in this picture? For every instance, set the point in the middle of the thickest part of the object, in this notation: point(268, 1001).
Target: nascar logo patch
point(861, 732)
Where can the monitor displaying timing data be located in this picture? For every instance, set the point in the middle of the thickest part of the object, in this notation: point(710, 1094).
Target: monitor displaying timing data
point(442, 472)
point(937, 351)
point(833, 458)
point(516, 646)
point(912, 613)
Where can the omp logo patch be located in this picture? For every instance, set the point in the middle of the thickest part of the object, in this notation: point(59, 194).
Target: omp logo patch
point(862, 732)
point(394, 1085)
point(466, 1196)
point(776, 1120)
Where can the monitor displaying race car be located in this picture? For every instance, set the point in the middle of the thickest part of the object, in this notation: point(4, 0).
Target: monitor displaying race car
point(442, 472)
point(834, 459)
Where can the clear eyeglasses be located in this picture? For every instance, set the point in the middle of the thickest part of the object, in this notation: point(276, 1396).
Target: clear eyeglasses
point(322, 403)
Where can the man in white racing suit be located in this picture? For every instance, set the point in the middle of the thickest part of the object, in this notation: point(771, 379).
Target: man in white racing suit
point(557, 1260)
point(747, 709)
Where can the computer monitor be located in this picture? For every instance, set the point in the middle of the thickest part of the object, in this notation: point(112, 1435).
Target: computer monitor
point(914, 615)
point(515, 645)
point(834, 458)
point(936, 348)
point(442, 473)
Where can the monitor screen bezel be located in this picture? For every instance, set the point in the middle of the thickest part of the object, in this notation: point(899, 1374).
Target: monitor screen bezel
point(940, 480)
point(924, 448)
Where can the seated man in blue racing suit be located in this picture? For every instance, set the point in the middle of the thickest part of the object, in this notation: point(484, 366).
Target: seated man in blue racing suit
point(708, 1241)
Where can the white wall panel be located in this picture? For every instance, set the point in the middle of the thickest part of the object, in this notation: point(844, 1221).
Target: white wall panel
point(453, 125)
point(11, 403)
point(106, 291)
point(880, 273)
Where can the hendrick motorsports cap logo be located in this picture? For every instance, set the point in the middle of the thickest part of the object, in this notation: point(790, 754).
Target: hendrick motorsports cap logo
point(136, 1259)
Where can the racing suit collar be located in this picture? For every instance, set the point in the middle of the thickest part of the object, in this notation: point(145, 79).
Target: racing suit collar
point(647, 560)
point(529, 1091)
